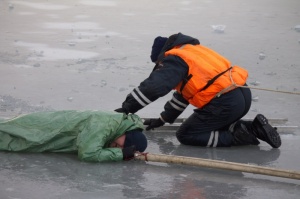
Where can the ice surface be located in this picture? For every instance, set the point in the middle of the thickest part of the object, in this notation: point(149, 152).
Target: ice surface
point(218, 28)
point(89, 54)
point(262, 56)
point(297, 28)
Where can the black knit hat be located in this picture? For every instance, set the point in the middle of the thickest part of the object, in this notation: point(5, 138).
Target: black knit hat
point(157, 46)
point(136, 138)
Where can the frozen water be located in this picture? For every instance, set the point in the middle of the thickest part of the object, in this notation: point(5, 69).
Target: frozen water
point(111, 56)
point(36, 65)
point(262, 56)
point(98, 3)
point(54, 53)
point(11, 6)
point(42, 6)
point(72, 26)
point(122, 89)
point(72, 43)
point(255, 98)
point(218, 28)
point(297, 28)
point(103, 83)
point(255, 83)
point(70, 99)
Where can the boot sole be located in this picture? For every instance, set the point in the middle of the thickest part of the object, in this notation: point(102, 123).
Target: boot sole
point(273, 137)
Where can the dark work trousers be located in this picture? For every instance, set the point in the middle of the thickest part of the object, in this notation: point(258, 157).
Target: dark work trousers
point(209, 126)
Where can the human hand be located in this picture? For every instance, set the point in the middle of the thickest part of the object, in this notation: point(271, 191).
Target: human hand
point(153, 123)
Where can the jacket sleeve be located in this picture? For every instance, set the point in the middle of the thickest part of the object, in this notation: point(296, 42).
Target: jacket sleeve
point(174, 107)
point(159, 83)
point(91, 142)
point(91, 149)
point(100, 155)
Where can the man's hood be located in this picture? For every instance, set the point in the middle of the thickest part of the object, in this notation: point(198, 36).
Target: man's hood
point(175, 40)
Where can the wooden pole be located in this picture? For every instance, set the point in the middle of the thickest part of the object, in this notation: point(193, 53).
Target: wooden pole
point(218, 164)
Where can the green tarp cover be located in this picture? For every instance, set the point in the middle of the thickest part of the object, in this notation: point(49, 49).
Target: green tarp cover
point(86, 132)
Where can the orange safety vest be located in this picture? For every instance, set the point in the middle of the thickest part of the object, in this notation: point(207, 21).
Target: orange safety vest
point(204, 65)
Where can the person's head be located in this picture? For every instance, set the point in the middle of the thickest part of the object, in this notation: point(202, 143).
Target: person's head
point(157, 46)
point(131, 138)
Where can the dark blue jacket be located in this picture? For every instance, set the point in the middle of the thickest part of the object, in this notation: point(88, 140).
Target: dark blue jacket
point(164, 77)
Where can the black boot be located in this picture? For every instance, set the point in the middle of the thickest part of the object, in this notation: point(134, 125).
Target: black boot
point(242, 135)
point(264, 131)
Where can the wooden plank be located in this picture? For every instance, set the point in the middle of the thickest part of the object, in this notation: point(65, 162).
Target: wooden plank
point(217, 164)
point(271, 120)
point(275, 122)
point(280, 129)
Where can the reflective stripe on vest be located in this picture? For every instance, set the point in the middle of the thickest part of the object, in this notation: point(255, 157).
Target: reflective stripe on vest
point(204, 65)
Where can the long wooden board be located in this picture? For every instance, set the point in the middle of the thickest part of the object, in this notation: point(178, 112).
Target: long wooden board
point(279, 123)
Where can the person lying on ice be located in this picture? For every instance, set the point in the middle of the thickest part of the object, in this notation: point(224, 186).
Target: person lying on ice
point(96, 136)
point(208, 81)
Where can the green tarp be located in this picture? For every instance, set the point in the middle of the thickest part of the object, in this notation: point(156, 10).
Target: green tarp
point(87, 133)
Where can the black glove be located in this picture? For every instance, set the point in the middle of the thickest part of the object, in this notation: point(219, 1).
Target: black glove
point(122, 110)
point(128, 152)
point(153, 123)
